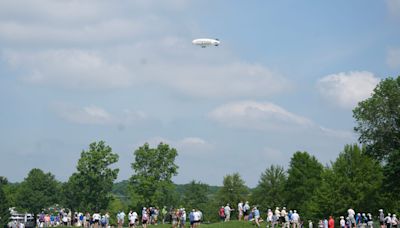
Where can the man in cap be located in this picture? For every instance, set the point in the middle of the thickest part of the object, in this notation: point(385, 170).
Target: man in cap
point(342, 222)
point(351, 213)
point(381, 218)
point(246, 210)
point(227, 211)
point(296, 219)
point(388, 221)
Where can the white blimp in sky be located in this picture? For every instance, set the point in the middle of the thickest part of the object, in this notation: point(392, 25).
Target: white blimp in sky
point(205, 42)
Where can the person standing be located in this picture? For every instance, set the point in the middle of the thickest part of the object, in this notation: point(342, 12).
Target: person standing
point(331, 222)
point(221, 213)
point(370, 222)
point(381, 218)
point(191, 218)
point(351, 213)
point(282, 217)
point(296, 219)
point(388, 221)
point(240, 210)
point(342, 222)
point(96, 219)
point(257, 216)
point(269, 218)
point(164, 214)
point(395, 221)
point(121, 218)
point(246, 210)
point(227, 211)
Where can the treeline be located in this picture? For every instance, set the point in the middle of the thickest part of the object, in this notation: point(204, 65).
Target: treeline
point(364, 176)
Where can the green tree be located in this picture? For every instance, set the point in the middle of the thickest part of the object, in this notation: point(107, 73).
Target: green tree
point(4, 204)
point(378, 125)
point(354, 180)
point(270, 191)
point(195, 195)
point(38, 191)
point(89, 189)
point(151, 184)
point(304, 176)
point(233, 190)
point(378, 119)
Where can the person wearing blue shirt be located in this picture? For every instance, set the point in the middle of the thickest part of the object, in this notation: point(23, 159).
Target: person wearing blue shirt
point(257, 216)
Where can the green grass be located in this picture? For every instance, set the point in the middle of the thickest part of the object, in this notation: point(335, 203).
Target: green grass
point(231, 224)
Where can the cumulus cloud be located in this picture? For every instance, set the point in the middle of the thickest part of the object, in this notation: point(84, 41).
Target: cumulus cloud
point(94, 115)
point(69, 67)
point(346, 89)
point(110, 47)
point(393, 57)
point(267, 116)
point(257, 115)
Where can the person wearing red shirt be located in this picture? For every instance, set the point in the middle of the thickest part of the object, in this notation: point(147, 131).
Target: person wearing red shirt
point(331, 222)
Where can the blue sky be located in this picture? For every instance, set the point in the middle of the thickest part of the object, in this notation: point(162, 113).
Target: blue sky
point(285, 78)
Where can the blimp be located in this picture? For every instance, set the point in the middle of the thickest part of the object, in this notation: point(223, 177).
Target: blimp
point(206, 42)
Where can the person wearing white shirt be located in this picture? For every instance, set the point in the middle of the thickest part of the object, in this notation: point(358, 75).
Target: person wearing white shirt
point(351, 213)
point(296, 219)
point(246, 210)
point(133, 219)
point(96, 219)
point(342, 222)
point(395, 221)
point(196, 218)
point(240, 210)
point(269, 218)
point(388, 220)
point(227, 211)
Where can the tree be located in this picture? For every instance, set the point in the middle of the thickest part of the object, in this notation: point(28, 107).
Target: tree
point(304, 176)
point(38, 191)
point(151, 184)
point(4, 204)
point(89, 189)
point(233, 190)
point(195, 195)
point(378, 119)
point(354, 180)
point(270, 190)
point(378, 124)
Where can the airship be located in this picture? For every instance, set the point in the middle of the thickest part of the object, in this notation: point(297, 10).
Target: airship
point(205, 42)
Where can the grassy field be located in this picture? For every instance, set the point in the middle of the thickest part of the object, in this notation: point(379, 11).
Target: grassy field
point(231, 224)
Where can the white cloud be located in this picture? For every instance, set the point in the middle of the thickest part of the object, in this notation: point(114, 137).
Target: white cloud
point(86, 115)
point(94, 115)
point(393, 57)
point(256, 115)
point(71, 68)
point(347, 89)
point(267, 116)
point(102, 45)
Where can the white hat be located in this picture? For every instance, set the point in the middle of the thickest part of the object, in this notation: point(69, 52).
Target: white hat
point(394, 215)
point(294, 211)
point(380, 210)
